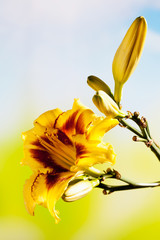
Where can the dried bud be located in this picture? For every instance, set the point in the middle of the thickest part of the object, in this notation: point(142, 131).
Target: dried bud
point(143, 122)
point(135, 138)
point(117, 174)
point(106, 105)
point(136, 114)
point(128, 54)
point(79, 190)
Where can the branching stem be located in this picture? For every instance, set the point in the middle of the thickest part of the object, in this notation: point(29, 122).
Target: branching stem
point(143, 133)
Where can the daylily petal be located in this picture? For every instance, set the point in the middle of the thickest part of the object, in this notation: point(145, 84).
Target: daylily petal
point(67, 121)
point(91, 152)
point(48, 118)
point(46, 189)
point(56, 191)
point(42, 153)
point(97, 131)
point(85, 119)
point(31, 147)
point(28, 200)
point(77, 105)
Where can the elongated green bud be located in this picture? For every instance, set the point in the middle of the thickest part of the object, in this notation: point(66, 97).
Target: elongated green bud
point(97, 84)
point(128, 54)
point(106, 105)
point(79, 190)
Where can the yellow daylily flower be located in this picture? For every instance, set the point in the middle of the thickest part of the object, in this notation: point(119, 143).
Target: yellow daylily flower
point(106, 105)
point(59, 148)
point(128, 54)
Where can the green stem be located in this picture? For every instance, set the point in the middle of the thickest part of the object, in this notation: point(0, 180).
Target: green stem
point(118, 92)
point(116, 175)
point(144, 134)
point(155, 149)
point(129, 127)
point(111, 188)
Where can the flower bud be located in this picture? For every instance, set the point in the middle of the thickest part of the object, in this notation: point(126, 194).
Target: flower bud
point(97, 84)
point(94, 172)
point(106, 105)
point(128, 54)
point(79, 189)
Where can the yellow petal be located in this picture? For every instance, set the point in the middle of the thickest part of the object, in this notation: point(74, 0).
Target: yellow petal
point(31, 146)
point(97, 131)
point(77, 105)
point(44, 154)
point(48, 118)
point(66, 122)
point(56, 191)
point(91, 152)
point(46, 189)
point(28, 200)
point(85, 119)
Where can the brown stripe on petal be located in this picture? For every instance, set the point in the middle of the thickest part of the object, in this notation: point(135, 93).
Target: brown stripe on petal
point(57, 119)
point(80, 126)
point(84, 120)
point(80, 150)
point(45, 158)
point(37, 144)
point(63, 138)
point(70, 123)
point(51, 180)
point(54, 179)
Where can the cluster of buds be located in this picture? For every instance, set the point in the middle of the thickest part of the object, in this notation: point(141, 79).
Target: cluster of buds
point(124, 63)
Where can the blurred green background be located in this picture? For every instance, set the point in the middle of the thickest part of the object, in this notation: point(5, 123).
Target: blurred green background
point(47, 50)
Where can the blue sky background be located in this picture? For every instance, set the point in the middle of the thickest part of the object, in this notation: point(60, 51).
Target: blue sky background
point(47, 50)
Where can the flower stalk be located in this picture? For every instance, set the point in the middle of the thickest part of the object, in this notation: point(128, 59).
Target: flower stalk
point(110, 188)
point(129, 184)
